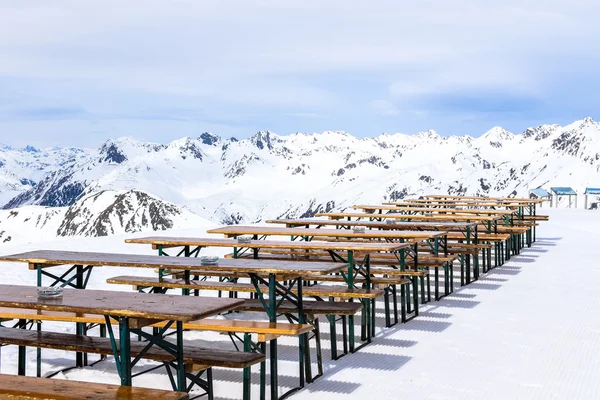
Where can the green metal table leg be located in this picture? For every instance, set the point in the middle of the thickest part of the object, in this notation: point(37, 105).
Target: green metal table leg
point(247, 376)
point(181, 384)
point(38, 355)
point(350, 286)
point(125, 352)
point(273, 342)
point(22, 353)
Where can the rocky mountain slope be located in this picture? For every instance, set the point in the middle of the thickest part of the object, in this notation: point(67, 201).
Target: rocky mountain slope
point(99, 214)
point(267, 176)
point(22, 169)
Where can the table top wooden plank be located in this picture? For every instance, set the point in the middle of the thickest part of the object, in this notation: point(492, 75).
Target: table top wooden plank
point(269, 244)
point(391, 207)
point(440, 203)
point(430, 209)
point(119, 304)
point(451, 217)
point(375, 224)
point(441, 206)
point(324, 232)
point(57, 257)
point(489, 199)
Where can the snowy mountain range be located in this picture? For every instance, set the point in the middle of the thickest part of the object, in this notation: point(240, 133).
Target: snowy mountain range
point(129, 185)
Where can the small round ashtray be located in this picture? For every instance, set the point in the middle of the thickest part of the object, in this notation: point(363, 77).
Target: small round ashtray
point(244, 239)
point(390, 221)
point(358, 229)
point(49, 291)
point(209, 260)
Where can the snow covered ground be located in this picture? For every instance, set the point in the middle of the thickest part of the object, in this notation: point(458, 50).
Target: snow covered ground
point(527, 330)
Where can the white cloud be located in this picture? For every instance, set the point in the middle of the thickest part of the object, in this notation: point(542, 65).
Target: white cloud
point(283, 54)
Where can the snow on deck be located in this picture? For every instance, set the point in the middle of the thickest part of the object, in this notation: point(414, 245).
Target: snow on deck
point(527, 330)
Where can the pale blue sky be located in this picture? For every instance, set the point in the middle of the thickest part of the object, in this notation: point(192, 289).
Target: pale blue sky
point(75, 73)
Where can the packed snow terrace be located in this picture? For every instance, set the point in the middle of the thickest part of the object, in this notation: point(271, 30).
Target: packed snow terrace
point(271, 316)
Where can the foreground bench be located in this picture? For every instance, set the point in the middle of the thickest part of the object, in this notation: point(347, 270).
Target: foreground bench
point(265, 331)
point(31, 388)
point(197, 361)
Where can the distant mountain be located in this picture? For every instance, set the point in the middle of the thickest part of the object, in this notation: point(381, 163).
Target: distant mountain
point(267, 176)
point(22, 169)
point(99, 214)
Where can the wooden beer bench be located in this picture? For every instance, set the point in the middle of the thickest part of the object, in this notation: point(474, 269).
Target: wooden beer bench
point(389, 284)
point(197, 361)
point(265, 331)
point(343, 252)
point(133, 311)
point(316, 307)
point(32, 388)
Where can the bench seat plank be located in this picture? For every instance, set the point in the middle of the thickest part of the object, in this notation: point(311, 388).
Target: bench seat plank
point(310, 307)
point(99, 345)
point(214, 325)
point(337, 291)
point(15, 387)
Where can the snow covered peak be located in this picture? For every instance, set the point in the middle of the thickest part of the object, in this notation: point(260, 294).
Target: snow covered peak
point(116, 151)
point(265, 139)
point(541, 132)
point(586, 123)
point(580, 139)
point(31, 149)
point(589, 120)
point(497, 134)
point(429, 135)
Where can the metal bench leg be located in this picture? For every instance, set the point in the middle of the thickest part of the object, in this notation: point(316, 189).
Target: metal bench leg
point(367, 308)
point(317, 337)
point(415, 297)
point(452, 277)
point(408, 302)
point(304, 353)
point(332, 337)
point(209, 380)
point(386, 306)
point(429, 286)
point(395, 302)
point(364, 321)
point(22, 352)
point(403, 303)
point(436, 280)
point(462, 269)
point(263, 372)
point(373, 322)
point(351, 333)
point(38, 355)
point(345, 334)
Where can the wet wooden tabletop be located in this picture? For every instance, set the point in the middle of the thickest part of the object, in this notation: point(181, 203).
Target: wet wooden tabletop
point(47, 258)
point(324, 232)
point(375, 224)
point(413, 217)
point(269, 244)
point(118, 304)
